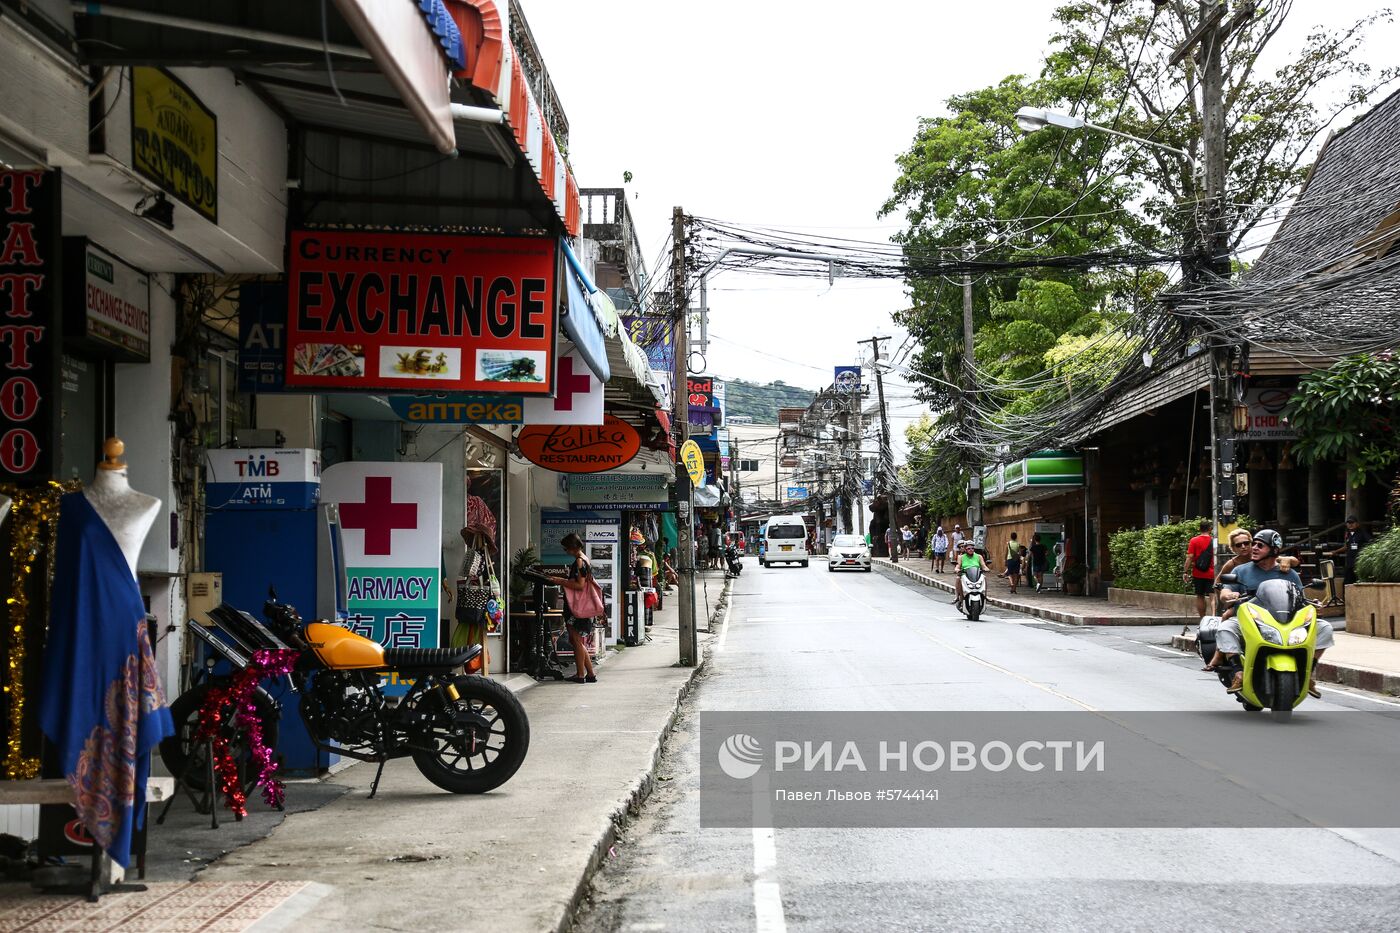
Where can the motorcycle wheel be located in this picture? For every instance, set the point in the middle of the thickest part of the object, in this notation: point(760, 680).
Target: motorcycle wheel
point(175, 750)
point(497, 760)
point(973, 612)
point(1285, 692)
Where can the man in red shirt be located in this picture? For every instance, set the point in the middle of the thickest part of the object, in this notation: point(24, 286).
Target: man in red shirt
point(1200, 553)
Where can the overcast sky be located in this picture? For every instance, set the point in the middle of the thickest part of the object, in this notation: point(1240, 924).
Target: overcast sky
point(790, 115)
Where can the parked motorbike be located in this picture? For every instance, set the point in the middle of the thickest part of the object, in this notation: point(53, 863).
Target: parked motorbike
point(734, 561)
point(465, 733)
point(1279, 632)
point(974, 583)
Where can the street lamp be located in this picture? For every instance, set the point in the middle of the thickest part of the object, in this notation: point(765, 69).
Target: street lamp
point(1031, 119)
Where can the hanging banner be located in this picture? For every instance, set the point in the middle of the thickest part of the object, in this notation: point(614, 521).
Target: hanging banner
point(652, 334)
point(578, 395)
point(580, 448)
point(391, 526)
point(29, 337)
point(175, 139)
point(378, 312)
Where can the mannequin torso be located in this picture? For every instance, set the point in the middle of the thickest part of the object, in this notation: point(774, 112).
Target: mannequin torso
point(128, 514)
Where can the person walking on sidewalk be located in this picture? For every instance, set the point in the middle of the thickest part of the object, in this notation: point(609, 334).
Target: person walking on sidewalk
point(892, 543)
point(1013, 563)
point(580, 573)
point(1014, 555)
point(940, 550)
point(1039, 557)
point(956, 541)
point(1199, 569)
point(1355, 539)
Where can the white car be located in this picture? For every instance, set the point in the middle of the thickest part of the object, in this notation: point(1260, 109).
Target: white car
point(848, 552)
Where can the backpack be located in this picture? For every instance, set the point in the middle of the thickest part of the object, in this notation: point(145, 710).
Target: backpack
point(1205, 561)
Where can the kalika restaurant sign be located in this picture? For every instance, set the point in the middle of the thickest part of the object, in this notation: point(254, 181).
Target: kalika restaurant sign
point(389, 311)
point(580, 448)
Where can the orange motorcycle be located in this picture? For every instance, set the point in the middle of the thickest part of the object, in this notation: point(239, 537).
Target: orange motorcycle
point(466, 733)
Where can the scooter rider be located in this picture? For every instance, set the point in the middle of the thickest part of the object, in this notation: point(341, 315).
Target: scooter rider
point(1263, 565)
point(968, 558)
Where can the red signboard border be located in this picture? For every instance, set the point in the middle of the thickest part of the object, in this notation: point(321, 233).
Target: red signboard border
point(547, 388)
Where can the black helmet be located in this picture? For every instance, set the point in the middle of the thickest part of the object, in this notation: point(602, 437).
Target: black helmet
point(1272, 539)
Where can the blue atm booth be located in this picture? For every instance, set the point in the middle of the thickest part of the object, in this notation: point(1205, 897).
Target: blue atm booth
point(265, 526)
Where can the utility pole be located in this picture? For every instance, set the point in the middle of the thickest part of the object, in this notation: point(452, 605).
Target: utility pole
point(970, 463)
point(1211, 257)
point(680, 389)
point(886, 455)
point(856, 397)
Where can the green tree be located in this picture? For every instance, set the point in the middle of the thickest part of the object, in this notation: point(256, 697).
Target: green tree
point(1350, 412)
point(972, 177)
point(931, 470)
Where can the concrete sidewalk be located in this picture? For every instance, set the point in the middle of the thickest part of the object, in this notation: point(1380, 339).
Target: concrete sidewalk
point(518, 858)
point(1057, 607)
point(1358, 661)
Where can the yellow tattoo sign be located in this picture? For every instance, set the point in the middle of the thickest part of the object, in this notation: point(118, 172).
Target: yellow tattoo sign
point(175, 139)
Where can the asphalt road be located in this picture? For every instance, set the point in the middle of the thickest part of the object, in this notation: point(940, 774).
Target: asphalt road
point(807, 639)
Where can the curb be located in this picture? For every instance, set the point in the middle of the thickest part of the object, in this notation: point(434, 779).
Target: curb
point(641, 788)
point(1348, 675)
point(1054, 615)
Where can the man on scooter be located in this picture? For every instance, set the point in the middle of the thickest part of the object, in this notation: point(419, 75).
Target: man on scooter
point(968, 558)
point(1263, 565)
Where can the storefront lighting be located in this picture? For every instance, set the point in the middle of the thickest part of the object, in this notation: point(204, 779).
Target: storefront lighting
point(1240, 418)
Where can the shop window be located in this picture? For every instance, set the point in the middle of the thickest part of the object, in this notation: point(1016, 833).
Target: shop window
point(221, 409)
point(85, 416)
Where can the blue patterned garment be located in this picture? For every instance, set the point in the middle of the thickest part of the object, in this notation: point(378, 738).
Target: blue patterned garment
point(102, 706)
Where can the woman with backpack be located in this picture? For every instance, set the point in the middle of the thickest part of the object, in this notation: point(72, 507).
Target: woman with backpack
point(583, 603)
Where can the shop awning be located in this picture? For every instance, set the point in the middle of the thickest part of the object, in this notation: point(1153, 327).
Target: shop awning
point(580, 322)
point(1044, 473)
point(707, 497)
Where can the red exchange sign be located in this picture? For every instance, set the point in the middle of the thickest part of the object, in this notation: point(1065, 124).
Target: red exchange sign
point(424, 312)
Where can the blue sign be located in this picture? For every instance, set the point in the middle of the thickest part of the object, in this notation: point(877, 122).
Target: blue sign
point(797, 492)
point(459, 408)
point(262, 323)
point(847, 379)
point(867, 487)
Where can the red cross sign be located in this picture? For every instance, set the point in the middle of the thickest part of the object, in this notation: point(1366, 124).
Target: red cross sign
point(379, 516)
point(570, 384)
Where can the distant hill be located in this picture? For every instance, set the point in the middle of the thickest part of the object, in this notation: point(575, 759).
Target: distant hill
point(761, 402)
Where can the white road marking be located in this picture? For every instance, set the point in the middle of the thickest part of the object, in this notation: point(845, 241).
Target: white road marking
point(724, 627)
point(1360, 695)
point(767, 896)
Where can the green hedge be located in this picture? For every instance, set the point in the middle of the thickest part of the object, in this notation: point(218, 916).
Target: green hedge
point(1151, 558)
point(1379, 561)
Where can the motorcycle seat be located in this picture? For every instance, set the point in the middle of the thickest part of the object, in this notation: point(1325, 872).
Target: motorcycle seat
point(429, 658)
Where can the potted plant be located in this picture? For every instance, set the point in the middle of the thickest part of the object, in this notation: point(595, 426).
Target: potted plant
point(1074, 577)
point(1371, 602)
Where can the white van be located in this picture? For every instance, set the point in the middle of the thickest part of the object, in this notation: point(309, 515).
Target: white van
point(785, 541)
